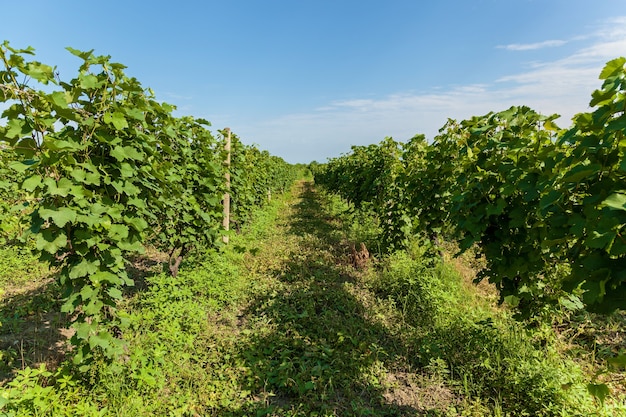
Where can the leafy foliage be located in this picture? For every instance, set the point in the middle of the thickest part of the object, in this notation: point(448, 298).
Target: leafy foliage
point(546, 206)
point(12, 200)
point(505, 161)
point(85, 168)
point(588, 202)
point(369, 177)
point(187, 202)
point(107, 168)
point(255, 176)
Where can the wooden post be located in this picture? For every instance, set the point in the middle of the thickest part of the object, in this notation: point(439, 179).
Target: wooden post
point(226, 221)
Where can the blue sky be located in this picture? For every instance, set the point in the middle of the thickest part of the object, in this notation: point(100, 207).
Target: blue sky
point(306, 79)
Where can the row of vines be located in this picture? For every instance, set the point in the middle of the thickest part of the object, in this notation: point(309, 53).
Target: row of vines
point(545, 206)
point(97, 170)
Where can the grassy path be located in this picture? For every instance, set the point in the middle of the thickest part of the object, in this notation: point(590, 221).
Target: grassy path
point(312, 339)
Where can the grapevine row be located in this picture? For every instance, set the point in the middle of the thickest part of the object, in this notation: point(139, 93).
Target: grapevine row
point(104, 169)
point(546, 206)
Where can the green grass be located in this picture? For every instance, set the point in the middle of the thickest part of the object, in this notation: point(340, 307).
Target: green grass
point(280, 323)
point(19, 268)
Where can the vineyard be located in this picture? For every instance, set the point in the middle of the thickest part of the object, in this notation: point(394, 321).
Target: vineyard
point(151, 267)
point(100, 169)
point(546, 206)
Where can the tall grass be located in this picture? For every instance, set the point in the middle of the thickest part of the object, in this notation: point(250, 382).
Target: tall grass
point(492, 358)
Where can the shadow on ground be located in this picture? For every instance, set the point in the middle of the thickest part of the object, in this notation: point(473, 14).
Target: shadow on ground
point(32, 330)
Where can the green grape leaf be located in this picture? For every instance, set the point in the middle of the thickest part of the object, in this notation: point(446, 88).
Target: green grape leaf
point(40, 72)
point(88, 81)
point(119, 121)
point(84, 268)
point(126, 152)
point(32, 183)
point(599, 391)
point(81, 54)
point(118, 231)
point(22, 166)
point(84, 329)
point(612, 68)
point(135, 113)
point(616, 201)
point(49, 242)
point(115, 293)
point(17, 128)
point(105, 277)
point(60, 216)
point(59, 99)
point(101, 339)
point(137, 223)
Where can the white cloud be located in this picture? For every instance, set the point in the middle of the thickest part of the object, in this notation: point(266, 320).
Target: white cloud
point(562, 86)
point(532, 46)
